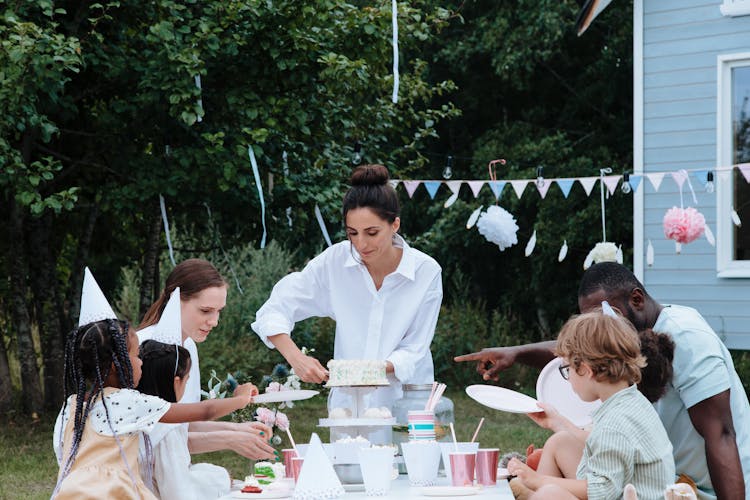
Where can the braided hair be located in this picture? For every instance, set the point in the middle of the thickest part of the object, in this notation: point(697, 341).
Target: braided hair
point(159, 369)
point(91, 350)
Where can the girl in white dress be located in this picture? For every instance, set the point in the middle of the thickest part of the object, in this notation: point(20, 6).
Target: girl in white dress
point(166, 370)
point(97, 431)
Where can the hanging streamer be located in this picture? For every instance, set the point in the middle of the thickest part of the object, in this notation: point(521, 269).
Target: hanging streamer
point(221, 247)
point(394, 17)
point(163, 208)
point(563, 251)
point(736, 218)
point(455, 187)
point(650, 254)
point(709, 236)
point(531, 244)
point(473, 218)
point(200, 98)
point(322, 225)
point(256, 174)
point(601, 188)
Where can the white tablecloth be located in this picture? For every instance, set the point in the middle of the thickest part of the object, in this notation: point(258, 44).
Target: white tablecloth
point(400, 489)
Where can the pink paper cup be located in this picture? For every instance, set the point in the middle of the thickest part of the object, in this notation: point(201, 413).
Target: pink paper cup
point(296, 467)
point(486, 466)
point(421, 425)
point(462, 468)
point(288, 455)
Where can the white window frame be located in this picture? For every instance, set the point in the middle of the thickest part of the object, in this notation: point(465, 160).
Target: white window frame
point(734, 8)
point(726, 266)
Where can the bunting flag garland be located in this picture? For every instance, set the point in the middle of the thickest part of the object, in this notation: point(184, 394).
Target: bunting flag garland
point(519, 187)
point(635, 181)
point(611, 182)
point(543, 187)
point(565, 185)
point(702, 176)
point(432, 187)
point(163, 208)
point(655, 178)
point(588, 184)
point(411, 186)
point(497, 188)
point(394, 183)
point(476, 186)
point(745, 169)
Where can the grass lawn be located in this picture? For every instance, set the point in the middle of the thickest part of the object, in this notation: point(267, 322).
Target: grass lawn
point(29, 468)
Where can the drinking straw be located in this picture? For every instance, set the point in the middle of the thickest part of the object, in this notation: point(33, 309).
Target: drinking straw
point(477, 431)
point(291, 440)
point(438, 394)
point(453, 433)
point(429, 400)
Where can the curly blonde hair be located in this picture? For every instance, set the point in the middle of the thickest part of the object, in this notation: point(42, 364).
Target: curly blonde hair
point(608, 344)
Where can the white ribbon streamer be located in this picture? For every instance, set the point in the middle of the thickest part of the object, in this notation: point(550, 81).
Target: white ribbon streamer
point(394, 17)
point(200, 99)
point(322, 225)
point(256, 174)
point(166, 228)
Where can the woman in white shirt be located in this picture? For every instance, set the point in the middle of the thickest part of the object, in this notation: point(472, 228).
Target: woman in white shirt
point(384, 295)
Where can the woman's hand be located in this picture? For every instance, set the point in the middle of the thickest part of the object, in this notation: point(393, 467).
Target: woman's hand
point(308, 369)
point(246, 390)
point(254, 428)
point(530, 478)
point(253, 446)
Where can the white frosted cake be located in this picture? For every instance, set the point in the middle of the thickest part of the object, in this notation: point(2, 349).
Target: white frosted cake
point(346, 372)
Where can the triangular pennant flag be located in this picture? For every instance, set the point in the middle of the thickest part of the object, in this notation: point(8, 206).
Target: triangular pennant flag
point(432, 187)
point(317, 478)
point(543, 187)
point(565, 185)
point(497, 188)
point(745, 169)
point(394, 183)
point(454, 186)
point(475, 187)
point(519, 186)
point(701, 176)
point(611, 182)
point(679, 178)
point(635, 181)
point(411, 186)
point(588, 184)
point(655, 178)
point(94, 306)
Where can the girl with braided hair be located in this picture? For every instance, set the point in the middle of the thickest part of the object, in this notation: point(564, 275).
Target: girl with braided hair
point(166, 370)
point(97, 431)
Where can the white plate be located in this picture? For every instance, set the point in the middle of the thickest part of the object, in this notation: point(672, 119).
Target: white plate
point(502, 473)
point(281, 396)
point(553, 389)
point(500, 398)
point(450, 491)
point(264, 494)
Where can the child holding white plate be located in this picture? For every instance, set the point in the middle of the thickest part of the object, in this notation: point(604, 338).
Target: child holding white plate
point(627, 444)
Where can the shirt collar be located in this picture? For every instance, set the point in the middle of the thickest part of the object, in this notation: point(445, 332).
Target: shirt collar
point(406, 267)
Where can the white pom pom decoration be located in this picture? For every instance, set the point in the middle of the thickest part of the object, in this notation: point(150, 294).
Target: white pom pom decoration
point(497, 225)
point(473, 218)
point(603, 252)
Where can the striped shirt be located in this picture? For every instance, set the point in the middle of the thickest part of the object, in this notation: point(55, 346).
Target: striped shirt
point(628, 444)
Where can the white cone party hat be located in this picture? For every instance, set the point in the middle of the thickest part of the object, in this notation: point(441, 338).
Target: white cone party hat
point(94, 306)
point(317, 479)
point(169, 328)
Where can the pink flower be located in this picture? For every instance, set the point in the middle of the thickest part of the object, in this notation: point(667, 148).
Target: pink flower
point(282, 421)
point(683, 225)
point(266, 416)
point(274, 387)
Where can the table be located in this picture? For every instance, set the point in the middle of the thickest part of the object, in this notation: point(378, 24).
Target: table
point(400, 489)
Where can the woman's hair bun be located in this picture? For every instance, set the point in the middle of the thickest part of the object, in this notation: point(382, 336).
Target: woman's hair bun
point(369, 175)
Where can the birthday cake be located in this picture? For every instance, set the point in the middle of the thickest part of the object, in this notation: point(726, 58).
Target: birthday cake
point(348, 372)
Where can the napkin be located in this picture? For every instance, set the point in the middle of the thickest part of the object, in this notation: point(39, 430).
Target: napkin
point(317, 479)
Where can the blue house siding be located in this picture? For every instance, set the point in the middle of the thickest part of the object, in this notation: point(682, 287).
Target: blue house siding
point(681, 42)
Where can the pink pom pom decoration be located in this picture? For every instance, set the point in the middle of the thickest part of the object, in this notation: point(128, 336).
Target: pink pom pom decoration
point(683, 225)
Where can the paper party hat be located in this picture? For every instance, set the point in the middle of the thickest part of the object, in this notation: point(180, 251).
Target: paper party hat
point(94, 306)
point(317, 479)
point(169, 328)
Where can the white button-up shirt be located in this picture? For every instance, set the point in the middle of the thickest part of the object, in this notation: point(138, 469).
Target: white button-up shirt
point(395, 323)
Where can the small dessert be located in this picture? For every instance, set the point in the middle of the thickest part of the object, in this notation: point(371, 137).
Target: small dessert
point(358, 439)
point(267, 472)
point(340, 413)
point(348, 372)
point(251, 489)
point(381, 412)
